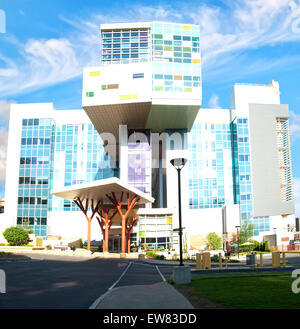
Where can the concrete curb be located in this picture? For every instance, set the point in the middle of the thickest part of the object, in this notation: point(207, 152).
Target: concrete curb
point(245, 270)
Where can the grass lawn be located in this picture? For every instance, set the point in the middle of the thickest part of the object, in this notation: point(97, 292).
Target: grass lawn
point(10, 255)
point(245, 291)
point(5, 254)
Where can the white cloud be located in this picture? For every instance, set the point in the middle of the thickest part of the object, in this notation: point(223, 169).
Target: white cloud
point(214, 102)
point(297, 196)
point(44, 62)
point(294, 126)
point(226, 32)
point(4, 110)
point(4, 116)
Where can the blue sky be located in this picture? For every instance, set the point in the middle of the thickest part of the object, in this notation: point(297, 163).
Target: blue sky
point(47, 44)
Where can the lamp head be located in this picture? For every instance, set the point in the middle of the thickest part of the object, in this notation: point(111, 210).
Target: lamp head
point(178, 163)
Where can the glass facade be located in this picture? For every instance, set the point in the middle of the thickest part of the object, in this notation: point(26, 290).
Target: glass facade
point(174, 50)
point(34, 174)
point(261, 224)
point(284, 156)
point(176, 64)
point(139, 160)
point(126, 46)
point(79, 157)
point(52, 156)
point(156, 231)
point(220, 169)
point(210, 165)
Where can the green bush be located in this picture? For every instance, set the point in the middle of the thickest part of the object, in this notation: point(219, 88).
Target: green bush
point(267, 248)
point(151, 253)
point(16, 236)
point(214, 241)
point(263, 246)
point(215, 259)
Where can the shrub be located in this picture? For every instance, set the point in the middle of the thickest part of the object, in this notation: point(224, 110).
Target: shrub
point(267, 248)
point(215, 259)
point(214, 241)
point(16, 236)
point(151, 253)
point(264, 246)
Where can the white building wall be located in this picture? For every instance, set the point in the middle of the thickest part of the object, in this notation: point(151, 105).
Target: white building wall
point(244, 94)
point(136, 90)
point(72, 225)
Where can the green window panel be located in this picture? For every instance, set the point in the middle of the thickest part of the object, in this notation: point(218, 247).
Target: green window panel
point(158, 47)
point(168, 48)
point(187, 49)
point(188, 90)
point(158, 36)
point(158, 42)
point(89, 94)
point(195, 39)
point(156, 88)
point(103, 87)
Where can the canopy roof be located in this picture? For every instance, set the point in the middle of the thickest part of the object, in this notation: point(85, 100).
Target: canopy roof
point(97, 191)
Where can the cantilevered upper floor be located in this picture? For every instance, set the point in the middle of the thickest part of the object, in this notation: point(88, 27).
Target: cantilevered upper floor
point(150, 77)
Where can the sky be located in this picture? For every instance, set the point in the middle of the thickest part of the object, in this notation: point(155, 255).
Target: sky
point(47, 44)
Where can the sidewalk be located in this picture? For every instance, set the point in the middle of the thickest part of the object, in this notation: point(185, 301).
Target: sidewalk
point(156, 296)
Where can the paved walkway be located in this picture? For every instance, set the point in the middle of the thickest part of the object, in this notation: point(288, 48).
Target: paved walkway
point(155, 296)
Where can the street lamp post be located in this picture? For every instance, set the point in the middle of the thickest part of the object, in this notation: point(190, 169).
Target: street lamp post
point(238, 239)
point(178, 164)
point(274, 229)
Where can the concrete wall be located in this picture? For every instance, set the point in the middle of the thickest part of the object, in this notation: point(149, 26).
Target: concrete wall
point(264, 160)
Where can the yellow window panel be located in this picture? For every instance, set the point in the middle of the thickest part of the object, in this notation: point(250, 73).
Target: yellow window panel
point(128, 97)
point(95, 74)
point(169, 220)
point(196, 61)
point(186, 27)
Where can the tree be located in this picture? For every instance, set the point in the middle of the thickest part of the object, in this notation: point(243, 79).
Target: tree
point(245, 233)
point(214, 241)
point(16, 236)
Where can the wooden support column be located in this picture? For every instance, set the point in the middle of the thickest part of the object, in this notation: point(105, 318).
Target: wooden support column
point(129, 227)
point(129, 206)
point(84, 209)
point(105, 223)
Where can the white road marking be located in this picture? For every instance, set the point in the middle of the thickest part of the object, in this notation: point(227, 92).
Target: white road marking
point(164, 279)
point(98, 300)
point(120, 276)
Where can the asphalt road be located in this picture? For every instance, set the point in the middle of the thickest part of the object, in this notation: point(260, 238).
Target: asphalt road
point(55, 282)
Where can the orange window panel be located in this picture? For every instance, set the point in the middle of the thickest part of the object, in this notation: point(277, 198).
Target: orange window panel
point(177, 77)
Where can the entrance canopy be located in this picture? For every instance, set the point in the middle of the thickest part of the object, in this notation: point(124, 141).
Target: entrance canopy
point(98, 191)
point(107, 198)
